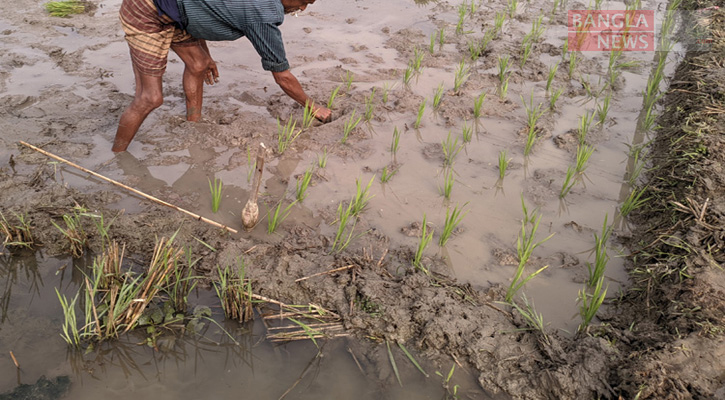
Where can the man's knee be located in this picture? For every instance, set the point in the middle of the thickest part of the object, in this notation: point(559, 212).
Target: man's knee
point(198, 65)
point(149, 101)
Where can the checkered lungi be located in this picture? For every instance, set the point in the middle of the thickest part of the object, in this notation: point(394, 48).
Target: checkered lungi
point(150, 36)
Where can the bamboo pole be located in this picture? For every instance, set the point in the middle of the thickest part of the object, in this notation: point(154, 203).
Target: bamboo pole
point(121, 185)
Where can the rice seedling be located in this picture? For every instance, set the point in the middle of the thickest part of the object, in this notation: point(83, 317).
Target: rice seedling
point(235, 292)
point(565, 48)
point(555, 7)
point(474, 50)
point(603, 109)
point(487, 38)
point(438, 97)
point(425, 239)
point(362, 197)
point(503, 72)
point(74, 232)
point(533, 113)
point(308, 115)
point(347, 80)
point(451, 392)
point(503, 163)
point(503, 89)
point(450, 149)
point(180, 282)
point(421, 110)
point(453, 219)
point(322, 158)
point(387, 174)
point(277, 215)
point(526, 48)
point(478, 105)
point(473, 8)
point(590, 303)
point(511, 8)
point(370, 106)
point(554, 97)
point(303, 184)
point(461, 76)
point(569, 181)
point(343, 235)
point(536, 29)
point(448, 181)
point(572, 63)
point(70, 334)
point(16, 235)
point(412, 360)
point(393, 364)
point(286, 134)
point(395, 144)
point(585, 122)
point(408, 75)
point(467, 132)
point(498, 22)
point(532, 318)
point(601, 258)
point(633, 202)
point(441, 38)
point(638, 164)
point(215, 188)
point(650, 117)
point(550, 77)
point(333, 95)
point(64, 8)
point(583, 153)
point(462, 10)
point(432, 45)
point(417, 62)
point(598, 4)
point(349, 126)
point(525, 245)
point(386, 91)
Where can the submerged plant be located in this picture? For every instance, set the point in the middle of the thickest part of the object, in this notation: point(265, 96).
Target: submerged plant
point(603, 109)
point(554, 97)
point(408, 75)
point(533, 113)
point(585, 122)
point(347, 80)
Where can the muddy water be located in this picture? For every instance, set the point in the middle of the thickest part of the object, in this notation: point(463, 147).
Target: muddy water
point(188, 367)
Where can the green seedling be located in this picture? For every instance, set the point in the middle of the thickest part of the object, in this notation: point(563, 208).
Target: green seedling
point(487, 37)
point(349, 126)
point(511, 8)
point(438, 97)
point(596, 272)
point(303, 184)
point(16, 235)
point(554, 97)
point(569, 181)
point(461, 17)
point(503, 69)
point(425, 239)
point(451, 392)
point(235, 292)
point(585, 122)
point(533, 113)
point(473, 8)
point(308, 115)
point(71, 334)
point(498, 22)
point(387, 174)
point(526, 48)
point(74, 232)
point(432, 45)
point(503, 89)
point(552, 73)
point(536, 29)
point(460, 77)
point(65, 8)
point(590, 303)
point(333, 95)
point(603, 109)
point(347, 80)
point(362, 197)
point(583, 153)
point(555, 7)
point(533, 319)
point(370, 106)
point(408, 75)
point(453, 219)
point(450, 148)
point(386, 91)
point(322, 158)
point(633, 202)
point(525, 245)
point(216, 193)
point(503, 163)
point(421, 110)
point(441, 38)
point(286, 134)
point(478, 105)
point(395, 144)
point(393, 364)
point(418, 60)
point(448, 181)
point(467, 132)
point(412, 360)
point(343, 235)
point(572, 63)
point(276, 216)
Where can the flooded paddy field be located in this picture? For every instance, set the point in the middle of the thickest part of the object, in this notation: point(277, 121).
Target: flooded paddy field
point(445, 99)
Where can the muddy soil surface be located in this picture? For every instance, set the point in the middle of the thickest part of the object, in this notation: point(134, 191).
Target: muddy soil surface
point(663, 338)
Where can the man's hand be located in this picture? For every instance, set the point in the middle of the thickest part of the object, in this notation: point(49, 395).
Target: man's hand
point(322, 114)
point(212, 74)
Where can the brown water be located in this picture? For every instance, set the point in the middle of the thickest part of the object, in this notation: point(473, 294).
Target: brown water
point(354, 33)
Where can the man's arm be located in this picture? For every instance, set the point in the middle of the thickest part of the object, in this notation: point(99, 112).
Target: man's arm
point(291, 86)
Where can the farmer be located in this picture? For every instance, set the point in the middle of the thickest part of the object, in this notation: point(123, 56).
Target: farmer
point(154, 26)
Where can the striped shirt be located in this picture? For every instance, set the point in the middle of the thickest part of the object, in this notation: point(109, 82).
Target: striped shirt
point(258, 20)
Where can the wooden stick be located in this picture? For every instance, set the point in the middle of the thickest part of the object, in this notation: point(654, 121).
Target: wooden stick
point(121, 185)
point(332, 271)
point(15, 360)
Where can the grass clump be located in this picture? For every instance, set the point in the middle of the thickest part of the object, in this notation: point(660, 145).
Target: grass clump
point(65, 8)
point(235, 292)
point(16, 235)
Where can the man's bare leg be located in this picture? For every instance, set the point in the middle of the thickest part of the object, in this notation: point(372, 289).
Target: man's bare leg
point(197, 65)
point(147, 98)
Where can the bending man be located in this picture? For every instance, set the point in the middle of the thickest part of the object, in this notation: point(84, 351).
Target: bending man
point(153, 27)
